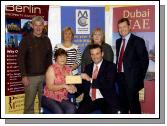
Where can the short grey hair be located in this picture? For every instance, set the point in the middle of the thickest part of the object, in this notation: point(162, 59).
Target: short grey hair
point(37, 18)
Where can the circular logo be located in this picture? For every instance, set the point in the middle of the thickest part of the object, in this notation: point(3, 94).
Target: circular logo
point(82, 21)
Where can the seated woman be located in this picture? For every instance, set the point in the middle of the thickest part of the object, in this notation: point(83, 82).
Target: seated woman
point(55, 92)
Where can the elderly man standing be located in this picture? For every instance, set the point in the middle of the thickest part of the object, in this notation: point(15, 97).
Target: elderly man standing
point(35, 55)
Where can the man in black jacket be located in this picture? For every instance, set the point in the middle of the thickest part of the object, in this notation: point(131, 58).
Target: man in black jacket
point(132, 64)
point(98, 85)
point(34, 57)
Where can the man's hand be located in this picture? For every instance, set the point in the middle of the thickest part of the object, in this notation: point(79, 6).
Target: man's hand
point(84, 76)
point(25, 81)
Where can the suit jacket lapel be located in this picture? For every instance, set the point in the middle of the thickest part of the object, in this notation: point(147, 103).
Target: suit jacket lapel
point(101, 68)
point(118, 46)
point(91, 70)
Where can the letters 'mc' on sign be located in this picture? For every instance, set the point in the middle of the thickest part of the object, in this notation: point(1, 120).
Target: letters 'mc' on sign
point(82, 20)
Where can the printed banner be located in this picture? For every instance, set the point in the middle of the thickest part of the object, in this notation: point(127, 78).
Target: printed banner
point(26, 11)
point(82, 20)
point(142, 18)
point(142, 21)
point(18, 19)
point(14, 104)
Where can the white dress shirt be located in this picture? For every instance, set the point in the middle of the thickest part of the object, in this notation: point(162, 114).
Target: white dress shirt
point(98, 93)
point(126, 42)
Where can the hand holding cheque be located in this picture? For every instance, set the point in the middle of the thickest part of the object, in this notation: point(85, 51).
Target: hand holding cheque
point(70, 88)
point(84, 76)
point(70, 81)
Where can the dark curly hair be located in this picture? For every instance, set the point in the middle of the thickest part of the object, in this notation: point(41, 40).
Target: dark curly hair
point(59, 52)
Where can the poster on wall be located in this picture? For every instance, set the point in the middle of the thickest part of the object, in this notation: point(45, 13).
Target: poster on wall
point(17, 25)
point(83, 20)
point(142, 21)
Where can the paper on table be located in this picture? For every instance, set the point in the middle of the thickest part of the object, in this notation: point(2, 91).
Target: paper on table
point(73, 79)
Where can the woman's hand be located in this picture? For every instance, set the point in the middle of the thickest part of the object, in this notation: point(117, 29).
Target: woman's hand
point(74, 66)
point(70, 88)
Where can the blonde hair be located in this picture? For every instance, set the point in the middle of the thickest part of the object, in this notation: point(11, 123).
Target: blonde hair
point(37, 18)
point(67, 29)
point(101, 32)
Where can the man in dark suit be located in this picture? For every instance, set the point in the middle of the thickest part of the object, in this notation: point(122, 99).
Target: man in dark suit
point(98, 79)
point(132, 63)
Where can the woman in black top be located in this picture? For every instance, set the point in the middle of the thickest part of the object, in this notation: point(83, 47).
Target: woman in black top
point(97, 37)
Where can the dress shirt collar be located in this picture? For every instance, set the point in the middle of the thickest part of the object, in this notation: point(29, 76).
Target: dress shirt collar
point(99, 64)
point(127, 37)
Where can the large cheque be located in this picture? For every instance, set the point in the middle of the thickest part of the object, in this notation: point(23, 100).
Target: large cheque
point(73, 79)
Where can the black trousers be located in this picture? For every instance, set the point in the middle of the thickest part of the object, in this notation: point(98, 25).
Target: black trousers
point(129, 101)
point(88, 106)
